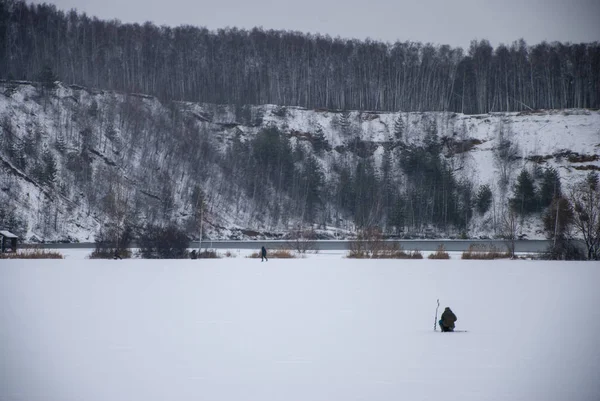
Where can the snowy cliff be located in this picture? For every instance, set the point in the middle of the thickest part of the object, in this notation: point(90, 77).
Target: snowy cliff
point(74, 158)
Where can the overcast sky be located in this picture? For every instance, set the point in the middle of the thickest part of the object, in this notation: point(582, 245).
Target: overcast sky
point(453, 22)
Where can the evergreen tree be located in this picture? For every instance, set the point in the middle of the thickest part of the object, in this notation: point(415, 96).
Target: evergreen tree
point(464, 204)
point(344, 123)
point(38, 173)
point(550, 187)
point(346, 190)
point(387, 186)
point(319, 141)
point(47, 78)
point(558, 218)
point(312, 181)
point(524, 196)
point(397, 216)
point(399, 127)
point(483, 200)
point(273, 154)
point(49, 167)
point(60, 144)
point(431, 142)
point(367, 207)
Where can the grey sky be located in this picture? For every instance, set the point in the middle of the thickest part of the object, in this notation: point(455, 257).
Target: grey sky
point(453, 22)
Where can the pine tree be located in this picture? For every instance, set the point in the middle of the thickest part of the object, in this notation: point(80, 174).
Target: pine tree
point(399, 127)
point(312, 183)
point(48, 79)
point(483, 200)
point(60, 144)
point(319, 141)
point(524, 199)
point(559, 211)
point(344, 122)
point(557, 219)
point(397, 217)
point(346, 190)
point(49, 169)
point(550, 187)
point(38, 173)
point(431, 142)
point(367, 207)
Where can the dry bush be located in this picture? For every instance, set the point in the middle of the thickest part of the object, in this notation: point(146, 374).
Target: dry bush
point(35, 253)
point(399, 254)
point(275, 254)
point(415, 254)
point(369, 243)
point(303, 241)
point(169, 242)
point(354, 253)
point(383, 250)
point(440, 253)
point(484, 251)
point(281, 254)
point(358, 250)
point(230, 254)
point(209, 254)
point(109, 253)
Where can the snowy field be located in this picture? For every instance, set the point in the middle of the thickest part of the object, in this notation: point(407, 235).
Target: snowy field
point(323, 328)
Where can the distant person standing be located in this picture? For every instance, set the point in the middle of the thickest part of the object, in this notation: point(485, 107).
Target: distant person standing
point(447, 320)
point(263, 254)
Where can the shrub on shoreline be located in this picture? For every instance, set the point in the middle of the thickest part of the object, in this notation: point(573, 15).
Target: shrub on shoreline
point(485, 252)
point(275, 254)
point(440, 253)
point(33, 254)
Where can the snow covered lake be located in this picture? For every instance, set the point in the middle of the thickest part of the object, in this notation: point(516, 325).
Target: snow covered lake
point(323, 328)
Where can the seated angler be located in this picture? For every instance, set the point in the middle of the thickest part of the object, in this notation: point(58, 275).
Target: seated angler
point(447, 320)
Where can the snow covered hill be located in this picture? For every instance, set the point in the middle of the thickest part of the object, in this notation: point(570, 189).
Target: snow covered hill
point(74, 158)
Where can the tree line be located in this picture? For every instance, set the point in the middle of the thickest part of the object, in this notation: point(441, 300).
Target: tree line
point(236, 66)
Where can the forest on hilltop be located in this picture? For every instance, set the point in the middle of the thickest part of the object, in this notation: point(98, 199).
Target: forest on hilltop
point(236, 66)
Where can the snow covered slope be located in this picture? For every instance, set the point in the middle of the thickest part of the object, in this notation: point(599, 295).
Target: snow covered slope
point(111, 147)
point(316, 329)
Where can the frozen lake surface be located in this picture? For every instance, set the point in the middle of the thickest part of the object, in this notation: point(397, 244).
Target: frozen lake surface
point(322, 328)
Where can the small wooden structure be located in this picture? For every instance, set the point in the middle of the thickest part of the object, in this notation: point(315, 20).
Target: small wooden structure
point(8, 241)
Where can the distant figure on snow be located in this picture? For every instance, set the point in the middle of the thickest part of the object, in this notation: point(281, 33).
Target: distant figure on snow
point(116, 255)
point(263, 254)
point(447, 320)
point(193, 254)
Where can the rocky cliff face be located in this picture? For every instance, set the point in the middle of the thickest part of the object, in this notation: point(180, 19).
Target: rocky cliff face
point(74, 159)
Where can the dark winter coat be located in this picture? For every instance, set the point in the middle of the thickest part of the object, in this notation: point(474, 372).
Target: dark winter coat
point(263, 252)
point(448, 318)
